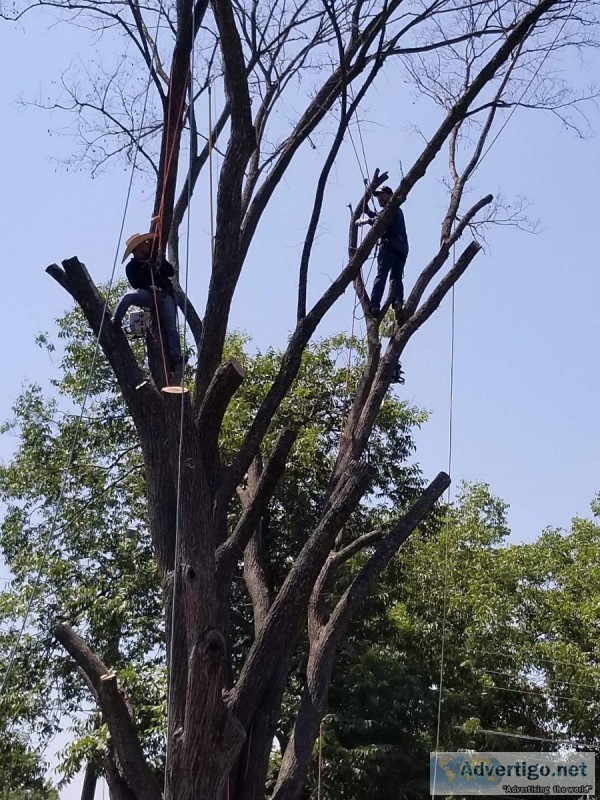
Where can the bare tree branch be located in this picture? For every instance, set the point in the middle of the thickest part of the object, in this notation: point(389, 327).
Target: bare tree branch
point(123, 734)
point(323, 645)
point(231, 550)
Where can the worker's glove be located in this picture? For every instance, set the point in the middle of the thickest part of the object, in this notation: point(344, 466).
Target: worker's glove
point(361, 222)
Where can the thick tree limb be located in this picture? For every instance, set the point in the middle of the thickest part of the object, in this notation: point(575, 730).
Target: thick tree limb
point(76, 280)
point(227, 262)
point(273, 644)
point(323, 646)
point(117, 787)
point(363, 415)
point(441, 256)
point(366, 540)
point(384, 551)
point(231, 550)
point(257, 570)
point(135, 770)
point(174, 108)
point(249, 782)
point(317, 607)
point(257, 575)
point(144, 402)
point(193, 319)
point(226, 380)
point(209, 730)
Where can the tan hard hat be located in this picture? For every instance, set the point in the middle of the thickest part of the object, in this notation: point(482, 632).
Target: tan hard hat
point(134, 240)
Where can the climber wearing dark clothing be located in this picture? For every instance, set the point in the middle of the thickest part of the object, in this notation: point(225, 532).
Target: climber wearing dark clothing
point(152, 288)
point(392, 254)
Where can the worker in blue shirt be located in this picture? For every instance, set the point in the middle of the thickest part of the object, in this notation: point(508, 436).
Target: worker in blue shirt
point(392, 254)
point(391, 258)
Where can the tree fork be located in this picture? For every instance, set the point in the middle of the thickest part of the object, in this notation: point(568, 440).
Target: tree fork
point(324, 643)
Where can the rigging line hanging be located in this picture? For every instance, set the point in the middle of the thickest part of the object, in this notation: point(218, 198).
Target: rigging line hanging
point(181, 418)
point(447, 536)
point(360, 136)
point(210, 176)
point(452, 382)
point(86, 393)
point(157, 220)
point(354, 317)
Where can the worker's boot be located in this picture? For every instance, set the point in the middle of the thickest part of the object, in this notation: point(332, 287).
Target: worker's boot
point(398, 376)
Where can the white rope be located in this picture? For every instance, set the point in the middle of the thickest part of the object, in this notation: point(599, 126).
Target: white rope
point(446, 554)
point(181, 418)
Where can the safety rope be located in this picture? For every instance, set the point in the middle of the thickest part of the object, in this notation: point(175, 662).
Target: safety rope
point(181, 420)
point(210, 175)
point(86, 393)
point(161, 206)
point(445, 602)
point(447, 537)
point(364, 176)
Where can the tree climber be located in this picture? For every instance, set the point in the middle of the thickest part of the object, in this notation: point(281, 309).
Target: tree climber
point(150, 278)
point(391, 256)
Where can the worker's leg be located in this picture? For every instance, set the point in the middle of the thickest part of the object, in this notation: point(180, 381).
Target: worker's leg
point(168, 320)
point(138, 297)
point(383, 268)
point(396, 277)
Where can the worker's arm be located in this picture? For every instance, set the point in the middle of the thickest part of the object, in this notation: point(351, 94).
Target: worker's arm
point(369, 212)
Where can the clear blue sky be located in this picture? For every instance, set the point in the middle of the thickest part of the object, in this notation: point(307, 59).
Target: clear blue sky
point(527, 324)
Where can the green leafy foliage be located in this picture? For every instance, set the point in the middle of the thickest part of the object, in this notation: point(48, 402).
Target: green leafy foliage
point(517, 623)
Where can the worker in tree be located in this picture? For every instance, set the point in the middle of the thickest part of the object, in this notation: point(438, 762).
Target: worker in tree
point(392, 254)
point(150, 279)
point(391, 258)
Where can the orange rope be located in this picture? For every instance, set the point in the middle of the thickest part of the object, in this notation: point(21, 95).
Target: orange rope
point(157, 219)
point(167, 165)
